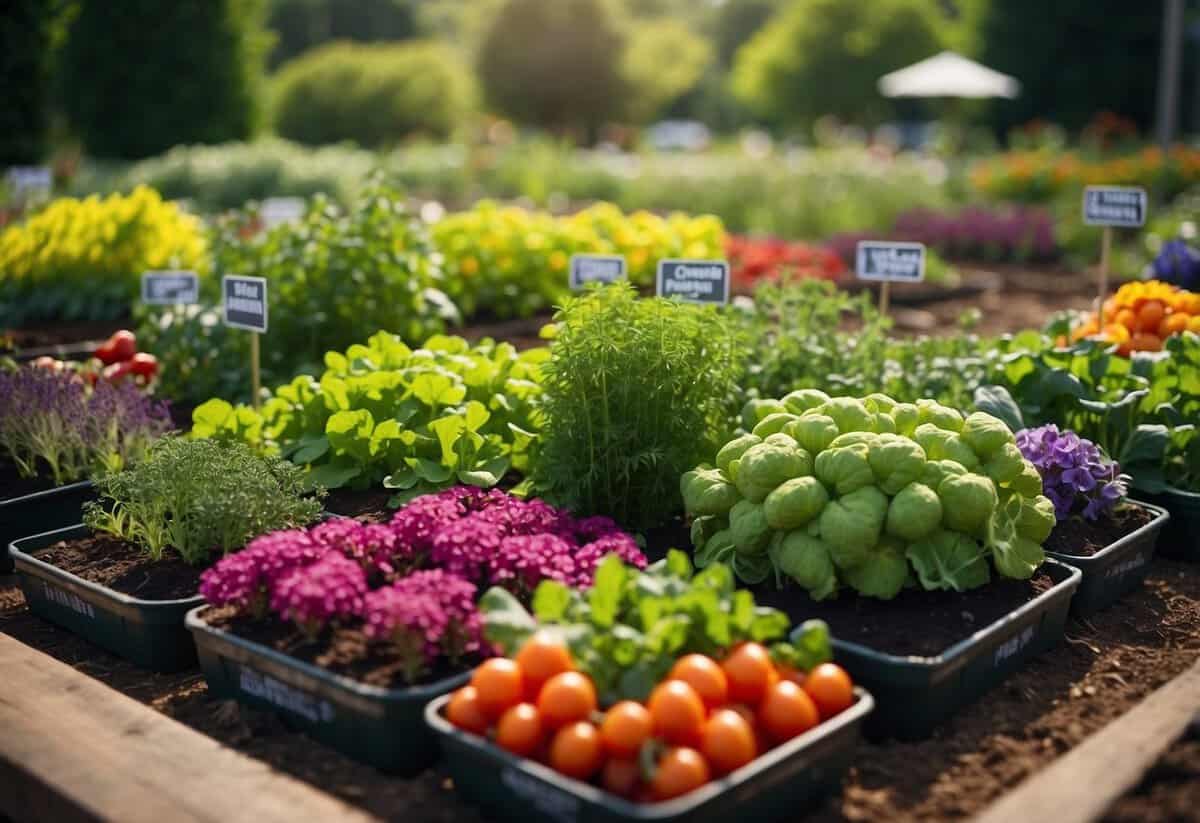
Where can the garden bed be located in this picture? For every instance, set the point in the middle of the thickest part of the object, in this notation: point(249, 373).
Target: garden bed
point(1108, 664)
point(1170, 791)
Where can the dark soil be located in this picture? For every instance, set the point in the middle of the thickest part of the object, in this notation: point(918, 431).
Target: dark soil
point(124, 567)
point(12, 484)
point(1170, 791)
point(48, 334)
point(342, 651)
point(1108, 663)
point(369, 506)
point(915, 622)
point(1084, 538)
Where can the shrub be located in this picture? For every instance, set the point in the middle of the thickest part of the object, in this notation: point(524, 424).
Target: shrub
point(301, 25)
point(373, 95)
point(159, 74)
point(81, 259)
point(636, 392)
point(26, 33)
point(198, 497)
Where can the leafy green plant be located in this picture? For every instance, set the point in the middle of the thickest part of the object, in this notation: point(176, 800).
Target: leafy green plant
point(868, 494)
point(414, 420)
point(636, 391)
point(629, 629)
point(200, 498)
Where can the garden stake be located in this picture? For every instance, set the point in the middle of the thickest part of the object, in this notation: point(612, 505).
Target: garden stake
point(255, 388)
point(1105, 249)
point(885, 294)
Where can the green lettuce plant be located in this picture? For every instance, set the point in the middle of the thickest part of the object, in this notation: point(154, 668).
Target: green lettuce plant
point(868, 494)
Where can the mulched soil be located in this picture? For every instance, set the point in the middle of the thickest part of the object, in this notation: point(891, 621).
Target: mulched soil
point(368, 506)
point(12, 484)
point(1170, 791)
point(124, 567)
point(915, 622)
point(1084, 538)
point(1109, 662)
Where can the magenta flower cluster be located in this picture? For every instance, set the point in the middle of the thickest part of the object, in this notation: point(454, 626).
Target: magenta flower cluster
point(413, 582)
point(1076, 475)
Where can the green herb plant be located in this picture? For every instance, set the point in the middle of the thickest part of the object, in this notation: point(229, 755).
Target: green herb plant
point(201, 498)
point(629, 629)
point(636, 391)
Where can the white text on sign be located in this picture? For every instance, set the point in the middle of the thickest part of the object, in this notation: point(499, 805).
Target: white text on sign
point(1118, 206)
point(167, 288)
point(595, 268)
point(897, 262)
point(696, 281)
point(244, 302)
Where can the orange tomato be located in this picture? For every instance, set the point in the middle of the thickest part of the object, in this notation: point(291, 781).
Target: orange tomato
point(621, 777)
point(788, 673)
point(1127, 318)
point(678, 772)
point(500, 685)
point(1150, 315)
point(576, 751)
point(728, 741)
point(677, 712)
point(542, 657)
point(705, 676)
point(787, 711)
point(520, 730)
point(749, 671)
point(1145, 341)
point(566, 698)
point(1172, 324)
point(830, 688)
point(465, 711)
point(626, 726)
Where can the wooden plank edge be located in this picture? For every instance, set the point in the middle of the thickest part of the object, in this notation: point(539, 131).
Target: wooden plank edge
point(45, 776)
point(1082, 785)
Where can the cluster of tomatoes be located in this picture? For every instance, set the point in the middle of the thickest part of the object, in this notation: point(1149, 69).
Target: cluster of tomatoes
point(705, 720)
point(1140, 316)
point(115, 360)
point(755, 258)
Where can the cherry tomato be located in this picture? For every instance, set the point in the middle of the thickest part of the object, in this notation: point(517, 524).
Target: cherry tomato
point(787, 711)
point(728, 741)
point(566, 698)
point(621, 777)
point(118, 348)
point(748, 669)
point(788, 673)
point(1145, 341)
point(576, 751)
point(678, 772)
point(542, 657)
point(520, 730)
point(677, 712)
point(830, 689)
point(144, 365)
point(1150, 315)
point(626, 726)
point(500, 685)
point(705, 676)
point(465, 712)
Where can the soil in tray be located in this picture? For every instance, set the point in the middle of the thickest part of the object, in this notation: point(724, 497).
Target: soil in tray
point(342, 651)
point(1107, 664)
point(1084, 538)
point(915, 622)
point(124, 568)
point(12, 484)
point(1169, 792)
point(370, 506)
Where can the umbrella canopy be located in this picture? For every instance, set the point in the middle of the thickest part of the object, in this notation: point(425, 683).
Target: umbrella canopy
point(948, 75)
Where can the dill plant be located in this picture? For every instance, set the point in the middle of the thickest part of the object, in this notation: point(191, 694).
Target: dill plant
point(636, 391)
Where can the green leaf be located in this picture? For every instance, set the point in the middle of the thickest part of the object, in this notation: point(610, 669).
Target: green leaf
point(811, 641)
point(476, 415)
point(742, 613)
point(435, 389)
point(996, 401)
point(678, 564)
point(505, 621)
point(768, 624)
point(404, 477)
point(431, 472)
point(350, 432)
point(309, 448)
point(550, 601)
point(605, 595)
point(333, 475)
point(448, 430)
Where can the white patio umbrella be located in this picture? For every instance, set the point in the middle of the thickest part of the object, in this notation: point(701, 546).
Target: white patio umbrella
point(948, 75)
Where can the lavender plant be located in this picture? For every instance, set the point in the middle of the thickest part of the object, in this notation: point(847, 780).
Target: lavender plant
point(1076, 475)
point(54, 424)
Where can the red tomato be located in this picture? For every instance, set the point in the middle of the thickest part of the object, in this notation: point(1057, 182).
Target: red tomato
point(118, 348)
point(144, 365)
point(830, 688)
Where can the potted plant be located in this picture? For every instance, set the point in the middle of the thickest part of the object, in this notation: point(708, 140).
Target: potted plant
point(56, 431)
point(347, 630)
point(125, 578)
point(914, 532)
point(1098, 529)
point(656, 695)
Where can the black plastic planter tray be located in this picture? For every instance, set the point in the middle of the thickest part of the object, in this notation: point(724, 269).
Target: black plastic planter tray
point(1118, 569)
point(781, 783)
point(40, 512)
point(149, 633)
point(1181, 538)
point(381, 727)
point(915, 694)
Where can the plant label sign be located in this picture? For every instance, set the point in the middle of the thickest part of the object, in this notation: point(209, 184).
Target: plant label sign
point(694, 281)
point(595, 268)
point(26, 180)
point(170, 288)
point(890, 262)
point(245, 302)
point(275, 211)
point(1119, 206)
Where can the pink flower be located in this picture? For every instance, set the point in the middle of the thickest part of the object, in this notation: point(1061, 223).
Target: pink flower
point(315, 595)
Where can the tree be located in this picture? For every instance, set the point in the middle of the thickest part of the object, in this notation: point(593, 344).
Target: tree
point(663, 61)
point(736, 21)
point(554, 64)
point(26, 30)
point(149, 75)
point(820, 57)
point(305, 24)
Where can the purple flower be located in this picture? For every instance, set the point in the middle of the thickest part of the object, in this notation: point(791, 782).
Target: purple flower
point(1179, 264)
point(1076, 475)
point(377, 548)
point(244, 579)
point(313, 596)
point(466, 547)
